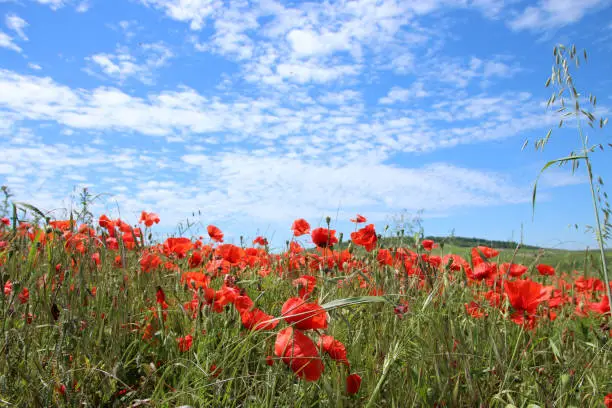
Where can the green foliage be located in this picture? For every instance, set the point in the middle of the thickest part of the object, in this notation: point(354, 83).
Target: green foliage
point(433, 353)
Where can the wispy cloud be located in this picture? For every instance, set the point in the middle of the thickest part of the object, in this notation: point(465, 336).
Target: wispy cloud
point(123, 65)
point(399, 94)
point(194, 12)
point(549, 14)
point(6, 41)
point(54, 4)
point(17, 24)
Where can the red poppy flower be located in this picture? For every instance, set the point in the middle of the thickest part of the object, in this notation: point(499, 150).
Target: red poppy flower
point(195, 280)
point(224, 296)
point(323, 238)
point(545, 270)
point(295, 247)
point(5, 221)
point(365, 237)
point(96, 258)
point(107, 223)
point(8, 288)
point(177, 246)
point(231, 253)
point(256, 319)
point(123, 226)
point(384, 257)
point(300, 353)
point(261, 241)
point(474, 310)
point(334, 348)
point(484, 270)
point(185, 343)
point(149, 261)
point(601, 307)
point(525, 295)
point(359, 219)
point(428, 244)
point(514, 270)
point(149, 218)
point(300, 227)
point(24, 296)
point(304, 316)
point(353, 383)
point(485, 251)
point(64, 225)
point(608, 400)
point(583, 284)
point(215, 233)
point(305, 285)
point(160, 297)
point(195, 259)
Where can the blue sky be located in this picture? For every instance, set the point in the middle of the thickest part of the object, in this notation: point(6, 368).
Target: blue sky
point(257, 113)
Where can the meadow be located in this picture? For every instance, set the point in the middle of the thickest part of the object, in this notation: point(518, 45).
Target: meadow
point(97, 314)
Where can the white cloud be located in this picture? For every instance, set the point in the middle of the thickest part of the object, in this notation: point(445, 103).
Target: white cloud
point(306, 43)
point(6, 41)
point(340, 98)
point(34, 66)
point(280, 188)
point(54, 4)
point(193, 11)
point(291, 123)
point(550, 14)
point(17, 24)
point(127, 27)
point(399, 94)
point(6, 169)
point(123, 65)
point(312, 72)
point(461, 72)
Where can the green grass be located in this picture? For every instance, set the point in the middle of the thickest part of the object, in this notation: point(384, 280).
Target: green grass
point(434, 354)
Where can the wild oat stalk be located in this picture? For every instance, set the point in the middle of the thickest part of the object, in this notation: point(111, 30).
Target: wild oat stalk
point(569, 99)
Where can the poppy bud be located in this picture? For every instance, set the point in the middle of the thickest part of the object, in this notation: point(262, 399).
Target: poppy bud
point(328, 220)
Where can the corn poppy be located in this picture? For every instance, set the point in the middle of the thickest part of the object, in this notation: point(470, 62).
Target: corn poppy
point(365, 237)
point(299, 352)
point(359, 219)
point(215, 233)
point(304, 316)
point(334, 348)
point(514, 270)
point(545, 270)
point(323, 238)
point(185, 343)
point(353, 383)
point(305, 285)
point(428, 244)
point(300, 227)
point(149, 218)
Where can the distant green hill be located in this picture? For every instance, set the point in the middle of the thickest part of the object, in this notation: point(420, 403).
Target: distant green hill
point(472, 242)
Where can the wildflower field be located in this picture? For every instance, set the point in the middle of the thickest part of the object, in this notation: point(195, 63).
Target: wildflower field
point(98, 315)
